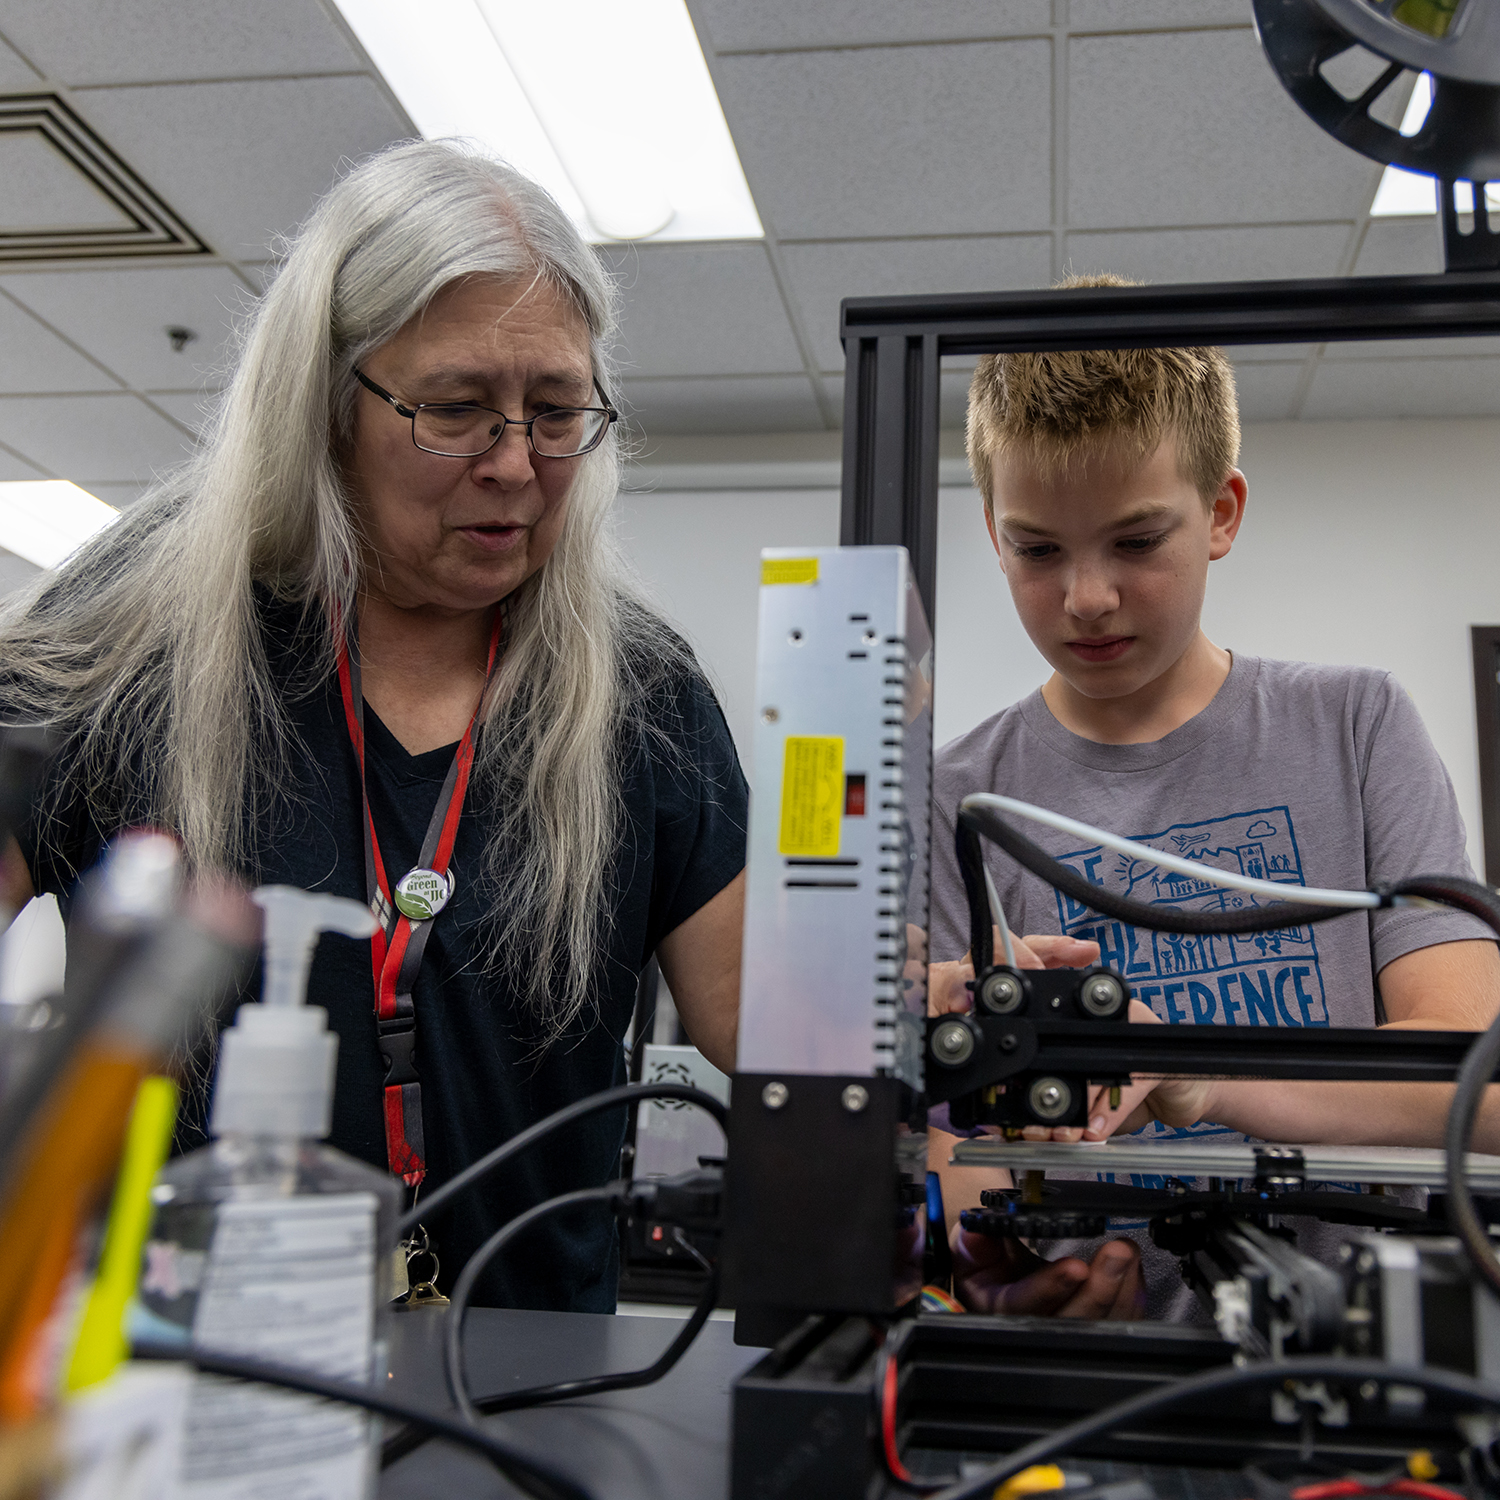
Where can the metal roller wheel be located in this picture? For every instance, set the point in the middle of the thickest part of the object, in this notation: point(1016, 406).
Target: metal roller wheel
point(1002, 991)
point(1049, 1099)
point(1102, 995)
point(952, 1043)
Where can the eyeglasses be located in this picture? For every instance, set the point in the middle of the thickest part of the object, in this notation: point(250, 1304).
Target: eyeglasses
point(460, 429)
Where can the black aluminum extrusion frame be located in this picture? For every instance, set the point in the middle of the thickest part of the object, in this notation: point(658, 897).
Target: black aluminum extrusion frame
point(894, 348)
point(793, 1435)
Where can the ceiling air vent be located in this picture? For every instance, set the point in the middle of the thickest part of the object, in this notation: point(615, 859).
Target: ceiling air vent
point(69, 197)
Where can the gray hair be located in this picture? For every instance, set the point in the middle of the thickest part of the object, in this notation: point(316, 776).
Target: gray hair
point(145, 646)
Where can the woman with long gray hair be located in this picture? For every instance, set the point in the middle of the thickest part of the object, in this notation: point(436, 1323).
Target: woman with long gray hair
point(376, 638)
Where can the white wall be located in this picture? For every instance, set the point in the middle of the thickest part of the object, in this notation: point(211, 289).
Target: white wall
point(699, 554)
point(1371, 543)
point(1378, 544)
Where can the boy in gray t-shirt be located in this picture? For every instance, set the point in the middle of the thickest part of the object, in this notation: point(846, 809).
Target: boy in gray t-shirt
point(1109, 486)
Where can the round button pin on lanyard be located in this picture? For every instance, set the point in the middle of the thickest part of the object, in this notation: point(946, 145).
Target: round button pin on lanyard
point(406, 915)
point(421, 894)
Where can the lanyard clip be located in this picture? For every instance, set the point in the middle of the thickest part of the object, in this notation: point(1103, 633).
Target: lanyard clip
point(398, 1048)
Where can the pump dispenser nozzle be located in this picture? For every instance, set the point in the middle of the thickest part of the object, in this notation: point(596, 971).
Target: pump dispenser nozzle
point(277, 1061)
point(294, 922)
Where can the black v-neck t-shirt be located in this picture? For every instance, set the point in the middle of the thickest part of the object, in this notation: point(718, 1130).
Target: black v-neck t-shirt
point(485, 1074)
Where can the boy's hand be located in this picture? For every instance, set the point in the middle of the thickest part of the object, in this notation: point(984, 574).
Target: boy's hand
point(947, 982)
point(948, 991)
point(996, 1275)
point(1172, 1101)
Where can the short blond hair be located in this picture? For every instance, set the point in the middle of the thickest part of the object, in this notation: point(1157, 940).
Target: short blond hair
point(1059, 407)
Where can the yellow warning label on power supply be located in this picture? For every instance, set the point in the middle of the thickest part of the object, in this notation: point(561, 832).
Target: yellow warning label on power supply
point(812, 796)
point(788, 570)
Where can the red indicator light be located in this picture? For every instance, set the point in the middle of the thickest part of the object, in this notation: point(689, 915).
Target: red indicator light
point(656, 1233)
point(854, 796)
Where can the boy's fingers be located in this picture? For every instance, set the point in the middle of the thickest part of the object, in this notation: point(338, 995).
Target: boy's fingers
point(1002, 1276)
point(1106, 1119)
point(1044, 1293)
point(1049, 951)
point(1112, 1289)
point(947, 987)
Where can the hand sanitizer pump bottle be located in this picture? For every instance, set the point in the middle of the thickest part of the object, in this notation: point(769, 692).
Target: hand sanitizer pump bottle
point(270, 1245)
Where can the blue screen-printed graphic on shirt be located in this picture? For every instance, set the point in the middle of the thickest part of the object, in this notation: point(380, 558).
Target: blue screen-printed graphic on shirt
point(1253, 979)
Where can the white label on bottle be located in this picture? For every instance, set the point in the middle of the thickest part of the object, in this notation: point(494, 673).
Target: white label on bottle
point(290, 1280)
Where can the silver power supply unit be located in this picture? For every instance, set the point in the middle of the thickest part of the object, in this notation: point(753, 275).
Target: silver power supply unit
point(834, 977)
point(833, 993)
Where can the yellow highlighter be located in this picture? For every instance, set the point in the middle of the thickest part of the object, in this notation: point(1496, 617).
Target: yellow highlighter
point(101, 1345)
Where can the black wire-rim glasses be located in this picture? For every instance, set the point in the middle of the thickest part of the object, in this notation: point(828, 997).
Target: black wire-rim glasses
point(463, 429)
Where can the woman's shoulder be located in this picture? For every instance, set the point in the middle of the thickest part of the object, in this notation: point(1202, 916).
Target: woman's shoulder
point(668, 700)
point(293, 633)
point(658, 667)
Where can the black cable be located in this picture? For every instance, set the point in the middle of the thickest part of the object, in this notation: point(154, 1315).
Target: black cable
point(1479, 1065)
point(402, 1443)
point(627, 1093)
point(533, 1475)
point(626, 1380)
point(613, 1194)
point(981, 922)
point(1213, 1382)
point(1477, 1072)
point(993, 825)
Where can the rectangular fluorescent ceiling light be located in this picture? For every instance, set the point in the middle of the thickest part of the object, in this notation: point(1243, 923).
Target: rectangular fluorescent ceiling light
point(608, 105)
point(1402, 193)
point(44, 520)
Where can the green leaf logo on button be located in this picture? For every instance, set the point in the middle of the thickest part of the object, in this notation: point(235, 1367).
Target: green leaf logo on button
point(422, 894)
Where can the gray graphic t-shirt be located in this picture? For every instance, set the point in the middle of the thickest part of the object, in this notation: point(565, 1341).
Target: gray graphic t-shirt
point(1312, 775)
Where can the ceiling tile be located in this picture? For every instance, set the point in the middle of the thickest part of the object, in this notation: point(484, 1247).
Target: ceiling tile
point(701, 310)
point(733, 25)
point(32, 358)
point(190, 409)
point(1193, 128)
point(831, 154)
point(1267, 392)
point(1401, 247)
point(15, 572)
point(1248, 254)
point(822, 275)
point(119, 495)
point(1269, 353)
point(144, 41)
point(16, 75)
point(1412, 348)
point(1405, 388)
point(261, 272)
point(121, 317)
point(92, 438)
point(262, 151)
point(45, 192)
point(1138, 15)
point(953, 397)
point(753, 403)
point(14, 467)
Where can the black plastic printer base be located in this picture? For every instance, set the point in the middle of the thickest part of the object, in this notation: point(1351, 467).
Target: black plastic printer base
point(804, 1420)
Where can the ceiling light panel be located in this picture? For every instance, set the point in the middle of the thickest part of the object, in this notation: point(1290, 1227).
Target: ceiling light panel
point(610, 107)
point(44, 520)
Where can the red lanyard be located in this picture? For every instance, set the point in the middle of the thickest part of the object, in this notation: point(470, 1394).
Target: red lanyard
point(397, 947)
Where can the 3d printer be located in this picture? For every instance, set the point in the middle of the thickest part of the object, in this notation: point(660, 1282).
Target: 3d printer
point(1363, 1361)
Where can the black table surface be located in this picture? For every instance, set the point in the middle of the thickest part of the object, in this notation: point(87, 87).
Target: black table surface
point(668, 1441)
